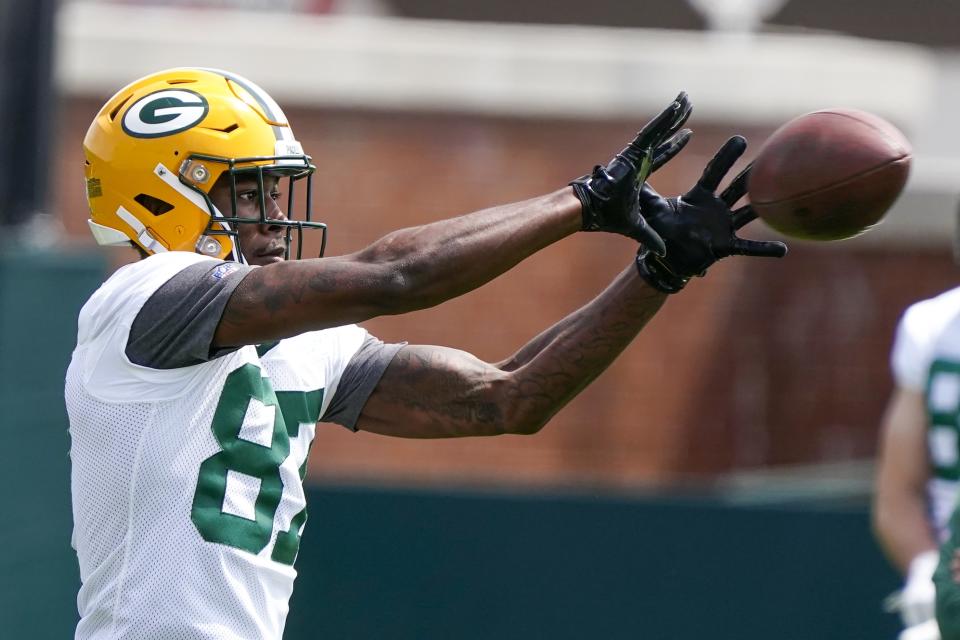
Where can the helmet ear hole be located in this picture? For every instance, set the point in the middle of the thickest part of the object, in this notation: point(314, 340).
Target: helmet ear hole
point(156, 206)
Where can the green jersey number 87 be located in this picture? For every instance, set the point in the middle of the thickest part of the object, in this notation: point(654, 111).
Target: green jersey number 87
point(257, 465)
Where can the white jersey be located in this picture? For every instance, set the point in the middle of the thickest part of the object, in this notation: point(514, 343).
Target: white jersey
point(926, 359)
point(187, 482)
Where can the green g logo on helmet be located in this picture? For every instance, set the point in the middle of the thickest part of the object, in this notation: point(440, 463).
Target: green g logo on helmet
point(164, 113)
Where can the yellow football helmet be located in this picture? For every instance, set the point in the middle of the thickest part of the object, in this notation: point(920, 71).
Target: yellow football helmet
point(157, 147)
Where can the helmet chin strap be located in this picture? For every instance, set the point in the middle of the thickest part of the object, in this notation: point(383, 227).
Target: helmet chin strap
point(206, 245)
point(144, 237)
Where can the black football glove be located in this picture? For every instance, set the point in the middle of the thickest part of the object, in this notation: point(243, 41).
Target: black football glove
point(609, 193)
point(698, 227)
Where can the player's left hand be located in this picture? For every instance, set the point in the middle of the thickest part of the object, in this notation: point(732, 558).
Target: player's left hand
point(699, 228)
point(609, 193)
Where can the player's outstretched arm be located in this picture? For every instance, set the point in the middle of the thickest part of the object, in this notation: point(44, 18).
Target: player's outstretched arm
point(409, 269)
point(436, 392)
point(423, 266)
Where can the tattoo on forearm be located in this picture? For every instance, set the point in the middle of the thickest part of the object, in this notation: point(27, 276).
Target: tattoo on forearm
point(431, 386)
point(444, 392)
point(562, 361)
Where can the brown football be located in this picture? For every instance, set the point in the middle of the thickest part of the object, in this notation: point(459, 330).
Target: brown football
point(829, 174)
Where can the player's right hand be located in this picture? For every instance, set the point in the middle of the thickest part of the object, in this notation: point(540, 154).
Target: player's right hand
point(917, 602)
point(609, 194)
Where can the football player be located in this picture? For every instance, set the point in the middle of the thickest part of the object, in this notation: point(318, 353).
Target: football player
point(201, 371)
point(919, 457)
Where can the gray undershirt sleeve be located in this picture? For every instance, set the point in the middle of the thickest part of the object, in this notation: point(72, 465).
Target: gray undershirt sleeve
point(358, 381)
point(176, 324)
point(175, 328)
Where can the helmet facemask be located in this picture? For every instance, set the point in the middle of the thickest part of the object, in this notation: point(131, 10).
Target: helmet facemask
point(197, 170)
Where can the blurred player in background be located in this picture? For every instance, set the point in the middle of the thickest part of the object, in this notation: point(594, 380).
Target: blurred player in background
point(944, 406)
point(919, 457)
point(201, 371)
